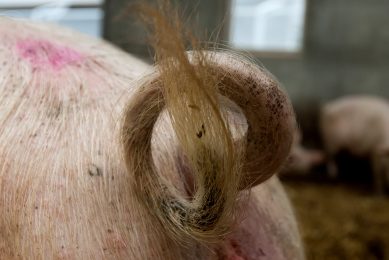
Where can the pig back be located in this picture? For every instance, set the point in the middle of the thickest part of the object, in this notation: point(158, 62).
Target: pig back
point(358, 124)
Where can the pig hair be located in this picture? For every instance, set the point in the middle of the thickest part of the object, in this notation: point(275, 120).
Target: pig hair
point(191, 86)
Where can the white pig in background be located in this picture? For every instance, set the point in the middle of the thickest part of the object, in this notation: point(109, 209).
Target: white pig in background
point(359, 125)
point(83, 175)
point(301, 160)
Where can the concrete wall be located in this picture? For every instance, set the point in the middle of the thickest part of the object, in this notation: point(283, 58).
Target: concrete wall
point(346, 51)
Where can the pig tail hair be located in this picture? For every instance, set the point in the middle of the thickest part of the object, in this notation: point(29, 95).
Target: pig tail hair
point(190, 86)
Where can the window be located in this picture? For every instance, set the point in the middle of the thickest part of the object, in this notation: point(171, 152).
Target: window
point(82, 15)
point(267, 25)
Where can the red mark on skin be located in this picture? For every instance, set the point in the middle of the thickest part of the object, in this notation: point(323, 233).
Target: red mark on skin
point(114, 242)
point(231, 251)
point(43, 54)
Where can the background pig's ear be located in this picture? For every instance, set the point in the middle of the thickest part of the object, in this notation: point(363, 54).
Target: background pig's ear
point(268, 112)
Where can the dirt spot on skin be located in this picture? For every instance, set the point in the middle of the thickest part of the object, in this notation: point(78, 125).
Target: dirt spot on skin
point(93, 170)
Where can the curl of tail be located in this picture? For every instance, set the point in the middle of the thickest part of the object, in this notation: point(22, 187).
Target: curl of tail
point(190, 86)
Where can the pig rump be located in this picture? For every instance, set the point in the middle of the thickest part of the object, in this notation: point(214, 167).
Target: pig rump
point(65, 191)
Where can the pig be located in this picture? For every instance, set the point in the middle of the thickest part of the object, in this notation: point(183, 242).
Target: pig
point(301, 160)
point(98, 149)
point(359, 125)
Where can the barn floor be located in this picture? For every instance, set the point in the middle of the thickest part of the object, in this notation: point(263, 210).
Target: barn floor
point(339, 220)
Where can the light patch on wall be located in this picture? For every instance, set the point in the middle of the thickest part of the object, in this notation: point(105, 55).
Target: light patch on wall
point(267, 25)
point(81, 15)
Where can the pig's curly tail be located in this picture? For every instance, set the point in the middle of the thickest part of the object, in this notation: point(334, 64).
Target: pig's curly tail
point(189, 86)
